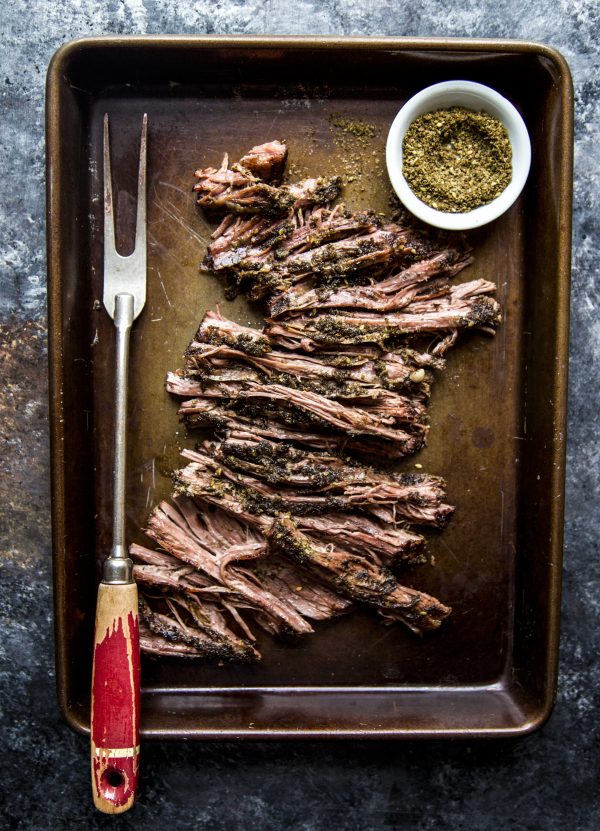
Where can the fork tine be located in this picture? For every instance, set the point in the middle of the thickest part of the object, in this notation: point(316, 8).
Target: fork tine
point(109, 219)
point(124, 275)
point(140, 229)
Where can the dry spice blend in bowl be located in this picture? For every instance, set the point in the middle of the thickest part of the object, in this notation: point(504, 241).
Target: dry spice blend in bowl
point(457, 159)
point(471, 168)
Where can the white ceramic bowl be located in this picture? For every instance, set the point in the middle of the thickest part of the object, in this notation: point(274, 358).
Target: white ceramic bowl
point(474, 97)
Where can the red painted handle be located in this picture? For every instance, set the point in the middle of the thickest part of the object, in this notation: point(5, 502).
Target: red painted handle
point(116, 699)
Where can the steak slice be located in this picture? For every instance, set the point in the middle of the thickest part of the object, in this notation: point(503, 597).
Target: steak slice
point(319, 482)
point(359, 578)
point(242, 188)
point(390, 294)
point(218, 330)
point(161, 646)
point(390, 370)
point(309, 408)
point(199, 625)
point(464, 307)
point(211, 414)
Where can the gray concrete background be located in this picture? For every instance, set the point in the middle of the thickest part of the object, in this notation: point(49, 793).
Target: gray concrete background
point(547, 781)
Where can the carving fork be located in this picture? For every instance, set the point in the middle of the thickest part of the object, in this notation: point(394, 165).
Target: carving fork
point(115, 711)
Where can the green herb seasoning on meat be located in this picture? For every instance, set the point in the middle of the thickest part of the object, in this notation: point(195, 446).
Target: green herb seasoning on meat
point(456, 160)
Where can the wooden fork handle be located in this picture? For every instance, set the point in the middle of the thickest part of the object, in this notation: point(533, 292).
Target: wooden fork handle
point(115, 716)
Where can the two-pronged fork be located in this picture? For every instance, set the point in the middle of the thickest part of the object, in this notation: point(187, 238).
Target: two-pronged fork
point(115, 711)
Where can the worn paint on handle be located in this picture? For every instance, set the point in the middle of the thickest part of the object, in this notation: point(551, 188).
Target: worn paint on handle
point(115, 699)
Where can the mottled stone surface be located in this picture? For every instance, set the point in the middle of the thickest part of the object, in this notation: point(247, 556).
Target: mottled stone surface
point(548, 781)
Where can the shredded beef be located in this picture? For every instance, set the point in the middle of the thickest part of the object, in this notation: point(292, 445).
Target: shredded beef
point(288, 513)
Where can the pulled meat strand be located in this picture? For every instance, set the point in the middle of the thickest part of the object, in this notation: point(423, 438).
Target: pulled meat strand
point(315, 408)
point(314, 482)
point(464, 307)
point(390, 370)
point(212, 414)
point(204, 630)
point(391, 294)
point(360, 579)
point(242, 188)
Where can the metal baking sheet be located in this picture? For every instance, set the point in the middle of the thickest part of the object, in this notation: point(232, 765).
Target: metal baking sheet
point(497, 413)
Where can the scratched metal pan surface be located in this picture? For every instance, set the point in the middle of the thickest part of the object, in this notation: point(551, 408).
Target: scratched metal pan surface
point(497, 413)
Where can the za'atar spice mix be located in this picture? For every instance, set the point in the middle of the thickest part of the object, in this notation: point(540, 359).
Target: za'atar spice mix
point(457, 159)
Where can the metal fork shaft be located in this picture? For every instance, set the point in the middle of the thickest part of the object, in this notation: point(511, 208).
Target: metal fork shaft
point(118, 567)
